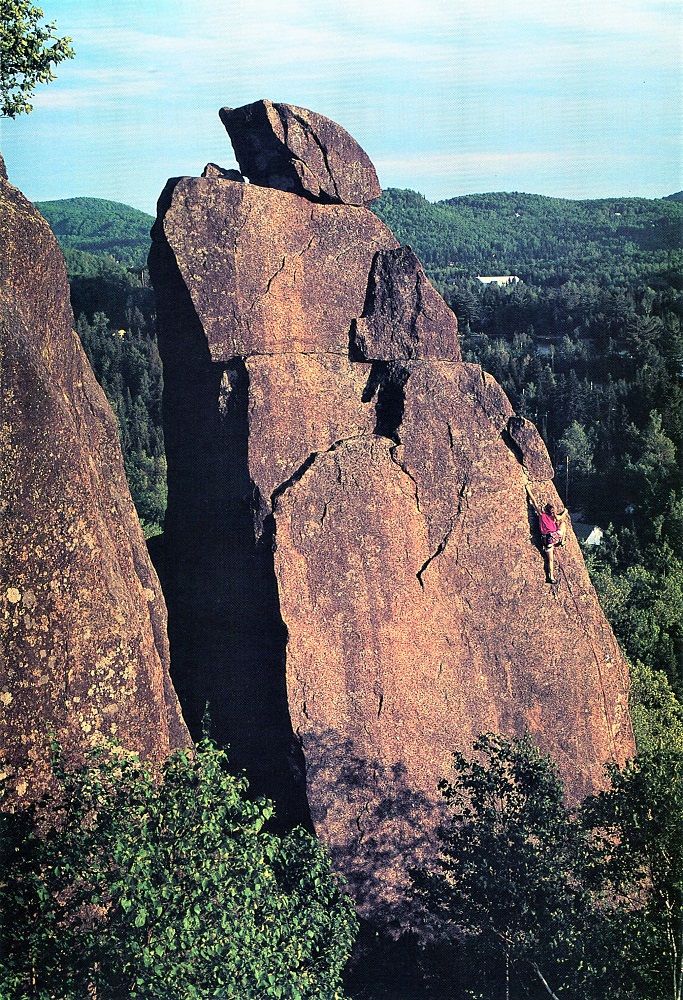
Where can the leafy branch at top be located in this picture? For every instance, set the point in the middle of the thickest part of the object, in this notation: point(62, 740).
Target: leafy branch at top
point(29, 51)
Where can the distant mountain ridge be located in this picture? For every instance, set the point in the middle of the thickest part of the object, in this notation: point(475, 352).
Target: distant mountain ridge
point(533, 235)
point(100, 227)
point(494, 233)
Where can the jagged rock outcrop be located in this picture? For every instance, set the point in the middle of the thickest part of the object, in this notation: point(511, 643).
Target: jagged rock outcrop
point(82, 618)
point(354, 578)
point(404, 316)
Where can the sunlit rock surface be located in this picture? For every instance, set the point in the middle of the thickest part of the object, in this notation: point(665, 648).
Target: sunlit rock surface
point(83, 624)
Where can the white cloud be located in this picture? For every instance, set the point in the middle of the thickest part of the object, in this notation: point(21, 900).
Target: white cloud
point(502, 76)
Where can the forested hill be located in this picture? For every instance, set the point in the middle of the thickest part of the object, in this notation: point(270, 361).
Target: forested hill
point(530, 235)
point(100, 227)
point(537, 237)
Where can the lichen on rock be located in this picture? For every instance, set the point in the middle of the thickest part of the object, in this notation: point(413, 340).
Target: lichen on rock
point(83, 650)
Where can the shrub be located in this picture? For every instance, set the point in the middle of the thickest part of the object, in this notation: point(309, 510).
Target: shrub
point(129, 884)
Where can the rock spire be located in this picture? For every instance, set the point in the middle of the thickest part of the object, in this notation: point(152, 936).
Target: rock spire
point(354, 577)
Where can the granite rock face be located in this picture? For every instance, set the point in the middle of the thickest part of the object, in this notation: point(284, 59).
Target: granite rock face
point(354, 578)
point(530, 448)
point(82, 618)
point(292, 149)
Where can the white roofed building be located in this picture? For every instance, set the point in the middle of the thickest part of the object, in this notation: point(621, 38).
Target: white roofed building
point(498, 279)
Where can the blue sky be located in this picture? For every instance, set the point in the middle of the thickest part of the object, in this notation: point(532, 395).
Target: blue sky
point(572, 98)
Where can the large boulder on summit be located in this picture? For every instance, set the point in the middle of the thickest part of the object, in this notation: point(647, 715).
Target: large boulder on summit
point(82, 619)
point(355, 579)
point(292, 149)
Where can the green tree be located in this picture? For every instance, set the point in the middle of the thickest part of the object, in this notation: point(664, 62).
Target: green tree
point(134, 884)
point(28, 53)
point(505, 877)
point(577, 446)
point(655, 465)
point(641, 593)
point(637, 827)
point(637, 831)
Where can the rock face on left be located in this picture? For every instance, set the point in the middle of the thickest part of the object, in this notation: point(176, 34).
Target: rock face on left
point(82, 618)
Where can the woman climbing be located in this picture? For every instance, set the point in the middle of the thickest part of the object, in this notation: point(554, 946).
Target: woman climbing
point(553, 525)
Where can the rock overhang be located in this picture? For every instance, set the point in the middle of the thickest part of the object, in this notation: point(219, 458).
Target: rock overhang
point(270, 272)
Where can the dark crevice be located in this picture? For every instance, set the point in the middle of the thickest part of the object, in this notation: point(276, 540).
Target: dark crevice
point(227, 637)
point(509, 441)
point(442, 545)
point(294, 478)
point(387, 382)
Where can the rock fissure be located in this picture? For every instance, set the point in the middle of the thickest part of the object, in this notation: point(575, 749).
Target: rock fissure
point(404, 468)
point(270, 282)
point(306, 465)
point(294, 478)
point(323, 153)
point(439, 549)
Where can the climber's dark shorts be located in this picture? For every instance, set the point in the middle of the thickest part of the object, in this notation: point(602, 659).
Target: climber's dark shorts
point(551, 540)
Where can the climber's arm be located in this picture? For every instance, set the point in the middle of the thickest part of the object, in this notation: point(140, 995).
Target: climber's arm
point(531, 497)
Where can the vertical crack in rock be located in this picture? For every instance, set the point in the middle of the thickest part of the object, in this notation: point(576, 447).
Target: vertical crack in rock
point(318, 142)
point(439, 549)
point(404, 468)
point(272, 279)
point(528, 447)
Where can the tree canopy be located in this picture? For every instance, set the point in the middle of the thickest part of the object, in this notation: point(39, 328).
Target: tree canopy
point(127, 883)
point(100, 227)
point(29, 51)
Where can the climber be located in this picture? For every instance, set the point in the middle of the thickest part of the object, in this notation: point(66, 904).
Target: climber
point(553, 525)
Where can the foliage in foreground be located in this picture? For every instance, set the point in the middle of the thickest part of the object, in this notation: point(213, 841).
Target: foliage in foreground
point(129, 885)
point(28, 53)
point(580, 905)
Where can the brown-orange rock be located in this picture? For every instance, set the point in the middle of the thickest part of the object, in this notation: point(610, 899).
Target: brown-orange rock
point(268, 272)
point(418, 616)
point(83, 622)
point(292, 149)
point(531, 450)
point(213, 170)
point(355, 579)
